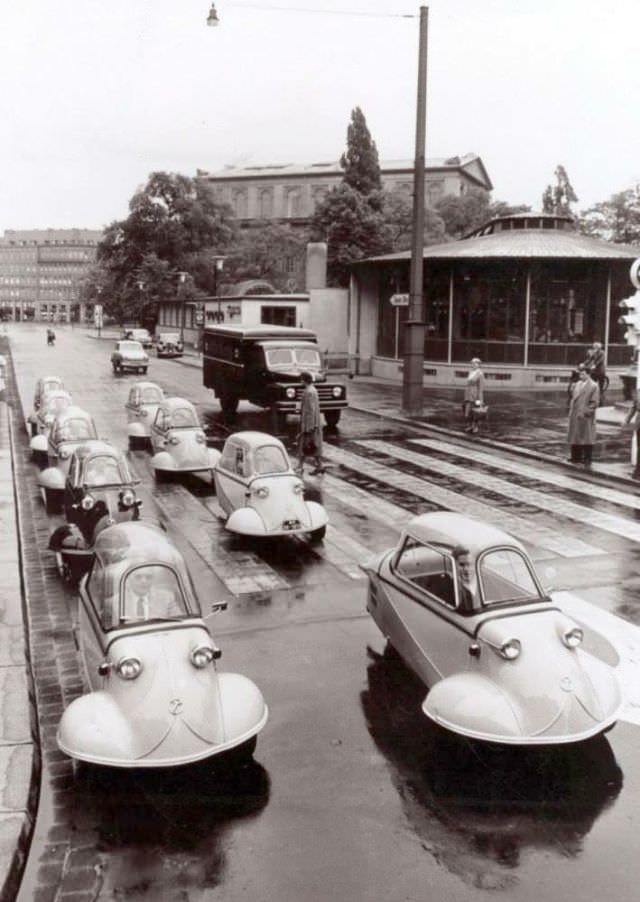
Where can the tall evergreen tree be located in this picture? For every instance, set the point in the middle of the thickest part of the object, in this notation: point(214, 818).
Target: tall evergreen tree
point(360, 162)
point(559, 197)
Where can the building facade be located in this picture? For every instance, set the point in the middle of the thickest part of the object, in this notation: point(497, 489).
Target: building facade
point(526, 293)
point(290, 192)
point(41, 272)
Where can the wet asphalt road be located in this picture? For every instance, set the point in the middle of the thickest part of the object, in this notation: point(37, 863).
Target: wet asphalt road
point(352, 794)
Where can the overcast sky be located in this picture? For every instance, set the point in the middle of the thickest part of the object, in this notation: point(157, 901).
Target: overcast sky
point(98, 93)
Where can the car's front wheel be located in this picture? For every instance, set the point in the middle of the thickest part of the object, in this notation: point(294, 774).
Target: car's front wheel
point(52, 501)
point(229, 403)
point(318, 534)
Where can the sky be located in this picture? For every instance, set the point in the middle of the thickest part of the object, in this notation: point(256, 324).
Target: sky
point(96, 95)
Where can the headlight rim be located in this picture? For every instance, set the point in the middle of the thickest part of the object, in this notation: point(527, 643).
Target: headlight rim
point(129, 661)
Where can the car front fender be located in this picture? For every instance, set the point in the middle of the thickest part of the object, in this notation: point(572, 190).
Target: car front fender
point(163, 461)
point(52, 478)
point(246, 521)
point(137, 430)
point(94, 729)
point(39, 443)
point(318, 516)
point(214, 457)
point(473, 705)
point(244, 709)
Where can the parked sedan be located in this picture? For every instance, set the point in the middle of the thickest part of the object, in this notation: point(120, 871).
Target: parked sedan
point(156, 698)
point(99, 491)
point(142, 405)
point(141, 335)
point(73, 427)
point(169, 344)
point(462, 605)
point(178, 441)
point(129, 355)
point(259, 491)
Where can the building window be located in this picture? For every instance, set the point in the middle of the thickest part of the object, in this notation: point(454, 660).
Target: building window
point(293, 204)
point(265, 203)
point(240, 204)
point(278, 316)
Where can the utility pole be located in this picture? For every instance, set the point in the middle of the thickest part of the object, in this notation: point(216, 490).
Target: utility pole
point(412, 376)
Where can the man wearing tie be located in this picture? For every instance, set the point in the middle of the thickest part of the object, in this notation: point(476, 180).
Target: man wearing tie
point(144, 600)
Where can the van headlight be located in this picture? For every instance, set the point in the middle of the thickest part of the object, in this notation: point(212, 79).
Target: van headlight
point(290, 393)
point(510, 649)
point(129, 668)
point(336, 391)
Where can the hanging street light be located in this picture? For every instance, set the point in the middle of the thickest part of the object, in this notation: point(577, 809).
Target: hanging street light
point(212, 18)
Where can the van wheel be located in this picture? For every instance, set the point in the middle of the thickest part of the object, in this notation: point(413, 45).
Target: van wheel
point(229, 403)
point(278, 420)
point(144, 370)
point(332, 417)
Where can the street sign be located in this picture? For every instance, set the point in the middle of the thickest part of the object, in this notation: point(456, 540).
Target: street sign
point(399, 300)
point(199, 317)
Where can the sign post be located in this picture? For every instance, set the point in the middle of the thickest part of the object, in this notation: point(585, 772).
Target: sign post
point(98, 318)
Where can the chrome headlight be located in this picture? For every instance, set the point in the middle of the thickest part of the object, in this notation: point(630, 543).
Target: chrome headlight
point(262, 492)
point(173, 440)
point(336, 391)
point(64, 453)
point(87, 503)
point(129, 668)
point(144, 413)
point(573, 637)
point(128, 498)
point(48, 420)
point(200, 437)
point(298, 488)
point(203, 655)
point(290, 393)
point(510, 649)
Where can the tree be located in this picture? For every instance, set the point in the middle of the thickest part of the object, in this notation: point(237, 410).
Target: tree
point(616, 219)
point(352, 229)
point(397, 211)
point(464, 213)
point(360, 161)
point(559, 197)
point(268, 252)
point(174, 225)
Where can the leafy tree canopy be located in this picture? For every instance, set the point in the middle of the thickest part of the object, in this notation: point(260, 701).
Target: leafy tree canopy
point(466, 212)
point(352, 229)
point(174, 224)
point(559, 197)
point(360, 161)
point(616, 219)
point(261, 252)
point(397, 211)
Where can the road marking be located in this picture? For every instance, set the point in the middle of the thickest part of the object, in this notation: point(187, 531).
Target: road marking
point(550, 503)
point(545, 537)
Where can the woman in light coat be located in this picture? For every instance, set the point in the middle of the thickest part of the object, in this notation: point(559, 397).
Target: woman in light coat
point(473, 392)
point(582, 418)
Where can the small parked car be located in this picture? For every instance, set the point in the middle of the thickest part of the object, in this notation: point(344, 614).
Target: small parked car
point(99, 491)
point(178, 440)
point(44, 385)
point(141, 407)
point(141, 335)
point(169, 344)
point(156, 698)
point(259, 491)
point(129, 355)
point(40, 421)
point(73, 427)
point(461, 603)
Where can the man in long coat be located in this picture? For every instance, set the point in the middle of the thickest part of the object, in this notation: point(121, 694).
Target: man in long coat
point(582, 418)
point(310, 425)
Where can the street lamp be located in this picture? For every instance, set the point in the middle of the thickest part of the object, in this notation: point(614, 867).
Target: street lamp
point(212, 18)
point(182, 279)
point(97, 311)
point(218, 265)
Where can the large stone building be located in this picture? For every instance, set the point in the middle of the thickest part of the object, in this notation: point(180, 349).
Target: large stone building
point(526, 293)
point(291, 192)
point(41, 272)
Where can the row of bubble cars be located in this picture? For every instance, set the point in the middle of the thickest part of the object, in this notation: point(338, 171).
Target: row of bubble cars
point(457, 599)
point(156, 697)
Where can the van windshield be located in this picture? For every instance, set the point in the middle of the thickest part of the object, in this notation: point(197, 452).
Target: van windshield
point(286, 358)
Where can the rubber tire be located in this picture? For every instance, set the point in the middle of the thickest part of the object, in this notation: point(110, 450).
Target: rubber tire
point(332, 417)
point(53, 503)
point(133, 443)
point(318, 534)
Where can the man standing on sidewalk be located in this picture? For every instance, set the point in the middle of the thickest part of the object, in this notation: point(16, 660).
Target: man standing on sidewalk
point(310, 439)
point(582, 418)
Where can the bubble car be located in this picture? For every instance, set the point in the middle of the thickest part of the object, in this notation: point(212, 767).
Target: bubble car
point(141, 407)
point(99, 491)
point(259, 491)
point(53, 404)
point(460, 602)
point(44, 385)
point(73, 427)
point(178, 440)
point(156, 698)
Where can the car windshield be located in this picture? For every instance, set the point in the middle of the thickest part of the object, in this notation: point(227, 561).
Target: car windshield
point(152, 592)
point(139, 334)
point(281, 358)
point(151, 395)
point(75, 430)
point(270, 459)
point(170, 337)
point(505, 575)
point(57, 405)
point(308, 357)
point(183, 418)
point(51, 385)
point(130, 347)
point(105, 470)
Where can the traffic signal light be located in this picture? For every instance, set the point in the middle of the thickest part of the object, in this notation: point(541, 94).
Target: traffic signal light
point(630, 318)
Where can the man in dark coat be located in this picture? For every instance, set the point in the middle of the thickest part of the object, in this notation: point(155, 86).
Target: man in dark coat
point(582, 418)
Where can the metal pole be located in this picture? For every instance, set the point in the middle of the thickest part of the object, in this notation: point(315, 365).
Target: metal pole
point(412, 376)
point(607, 317)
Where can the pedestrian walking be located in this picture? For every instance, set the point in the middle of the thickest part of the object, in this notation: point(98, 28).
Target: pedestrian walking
point(595, 366)
point(473, 395)
point(310, 437)
point(582, 418)
point(633, 420)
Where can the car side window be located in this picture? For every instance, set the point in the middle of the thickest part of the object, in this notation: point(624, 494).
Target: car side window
point(506, 576)
point(133, 397)
point(428, 569)
point(159, 420)
point(239, 467)
point(228, 459)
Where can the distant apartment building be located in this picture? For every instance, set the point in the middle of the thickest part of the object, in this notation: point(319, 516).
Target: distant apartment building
point(291, 192)
point(41, 272)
